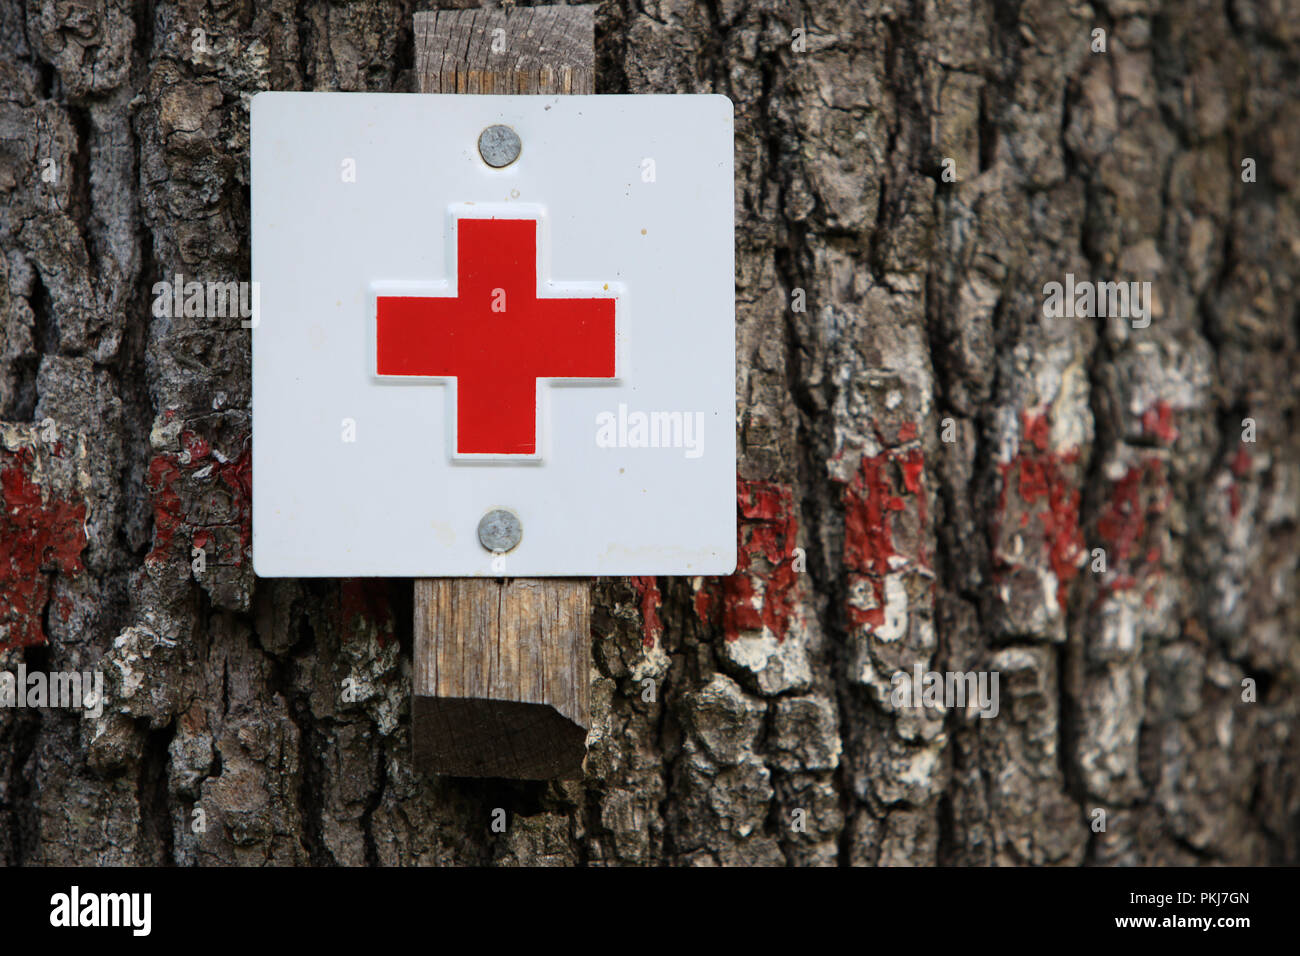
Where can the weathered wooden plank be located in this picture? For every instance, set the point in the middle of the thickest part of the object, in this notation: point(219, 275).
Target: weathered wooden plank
point(502, 676)
point(524, 50)
point(502, 668)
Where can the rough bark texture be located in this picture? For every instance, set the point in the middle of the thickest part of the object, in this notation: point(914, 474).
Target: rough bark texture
point(127, 446)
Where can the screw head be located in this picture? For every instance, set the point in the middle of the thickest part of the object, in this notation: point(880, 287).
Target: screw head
point(499, 146)
point(500, 531)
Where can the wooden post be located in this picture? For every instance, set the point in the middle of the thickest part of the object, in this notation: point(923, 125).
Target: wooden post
point(502, 667)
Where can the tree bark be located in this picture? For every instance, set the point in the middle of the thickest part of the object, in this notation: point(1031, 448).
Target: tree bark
point(928, 462)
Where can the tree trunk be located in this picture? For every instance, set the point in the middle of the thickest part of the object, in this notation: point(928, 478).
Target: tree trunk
point(932, 465)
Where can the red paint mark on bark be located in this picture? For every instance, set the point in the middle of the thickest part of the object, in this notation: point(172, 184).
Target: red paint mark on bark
point(1241, 462)
point(1123, 521)
point(913, 465)
point(868, 501)
point(1240, 467)
point(163, 472)
point(1038, 431)
point(872, 617)
point(1124, 526)
point(760, 595)
point(1064, 539)
point(169, 515)
point(1042, 476)
point(907, 432)
point(765, 574)
point(650, 601)
point(703, 602)
point(1158, 420)
point(196, 446)
point(871, 499)
point(366, 599)
point(237, 475)
point(38, 533)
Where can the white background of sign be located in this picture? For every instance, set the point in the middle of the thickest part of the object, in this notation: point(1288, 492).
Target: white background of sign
point(393, 503)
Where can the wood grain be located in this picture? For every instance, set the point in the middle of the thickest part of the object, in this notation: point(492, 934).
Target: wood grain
point(502, 667)
point(502, 671)
point(542, 50)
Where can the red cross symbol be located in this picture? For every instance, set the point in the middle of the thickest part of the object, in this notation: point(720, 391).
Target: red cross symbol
point(495, 337)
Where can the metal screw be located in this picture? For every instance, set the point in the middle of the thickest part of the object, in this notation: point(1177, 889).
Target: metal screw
point(499, 146)
point(499, 530)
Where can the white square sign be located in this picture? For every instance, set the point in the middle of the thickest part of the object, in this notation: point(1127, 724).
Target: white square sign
point(494, 335)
